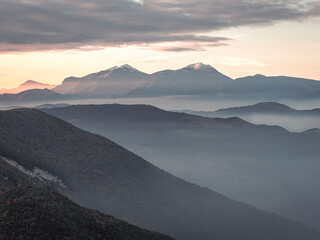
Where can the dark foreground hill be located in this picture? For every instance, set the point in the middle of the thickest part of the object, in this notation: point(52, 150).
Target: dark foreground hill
point(102, 175)
point(39, 212)
point(265, 166)
point(11, 177)
point(31, 210)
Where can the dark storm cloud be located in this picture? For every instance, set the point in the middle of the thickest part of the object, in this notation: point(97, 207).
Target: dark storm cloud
point(62, 24)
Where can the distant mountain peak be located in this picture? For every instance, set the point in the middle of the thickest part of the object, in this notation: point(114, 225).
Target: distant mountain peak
point(259, 75)
point(29, 82)
point(128, 67)
point(27, 85)
point(259, 108)
point(199, 67)
point(112, 68)
point(123, 67)
point(270, 104)
point(32, 83)
point(312, 130)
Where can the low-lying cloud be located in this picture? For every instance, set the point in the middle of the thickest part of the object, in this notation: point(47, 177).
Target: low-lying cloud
point(59, 24)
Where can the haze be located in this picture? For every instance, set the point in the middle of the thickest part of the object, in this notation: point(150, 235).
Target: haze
point(188, 118)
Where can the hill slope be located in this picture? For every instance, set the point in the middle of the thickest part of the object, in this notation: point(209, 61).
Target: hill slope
point(102, 175)
point(11, 177)
point(30, 209)
point(268, 167)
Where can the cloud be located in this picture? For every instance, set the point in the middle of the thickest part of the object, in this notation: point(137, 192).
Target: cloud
point(178, 49)
point(60, 24)
point(188, 45)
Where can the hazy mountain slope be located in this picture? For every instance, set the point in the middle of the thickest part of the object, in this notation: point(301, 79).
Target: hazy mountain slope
point(261, 87)
point(312, 95)
point(264, 107)
point(267, 108)
point(108, 83)
point(48, 105)
point(105, 176)
point(30, 84)
point(270, 113)
point(266, 166)
point(193, 79)
point(32, 95)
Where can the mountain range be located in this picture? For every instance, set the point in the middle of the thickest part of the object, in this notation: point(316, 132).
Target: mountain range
point(193, 80)
point(266, 166)
point(99, 174)
point(130, 82)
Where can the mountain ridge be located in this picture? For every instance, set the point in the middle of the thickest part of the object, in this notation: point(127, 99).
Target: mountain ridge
point(196, 79)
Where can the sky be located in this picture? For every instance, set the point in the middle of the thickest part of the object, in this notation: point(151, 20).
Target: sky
point(49, 40)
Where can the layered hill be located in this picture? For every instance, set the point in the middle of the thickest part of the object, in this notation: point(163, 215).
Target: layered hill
point(267, 108)
point(100, 174)
point(266, 166)
point(32, 95)
point(270, 113)
point(264, 107)
point(30, 84)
